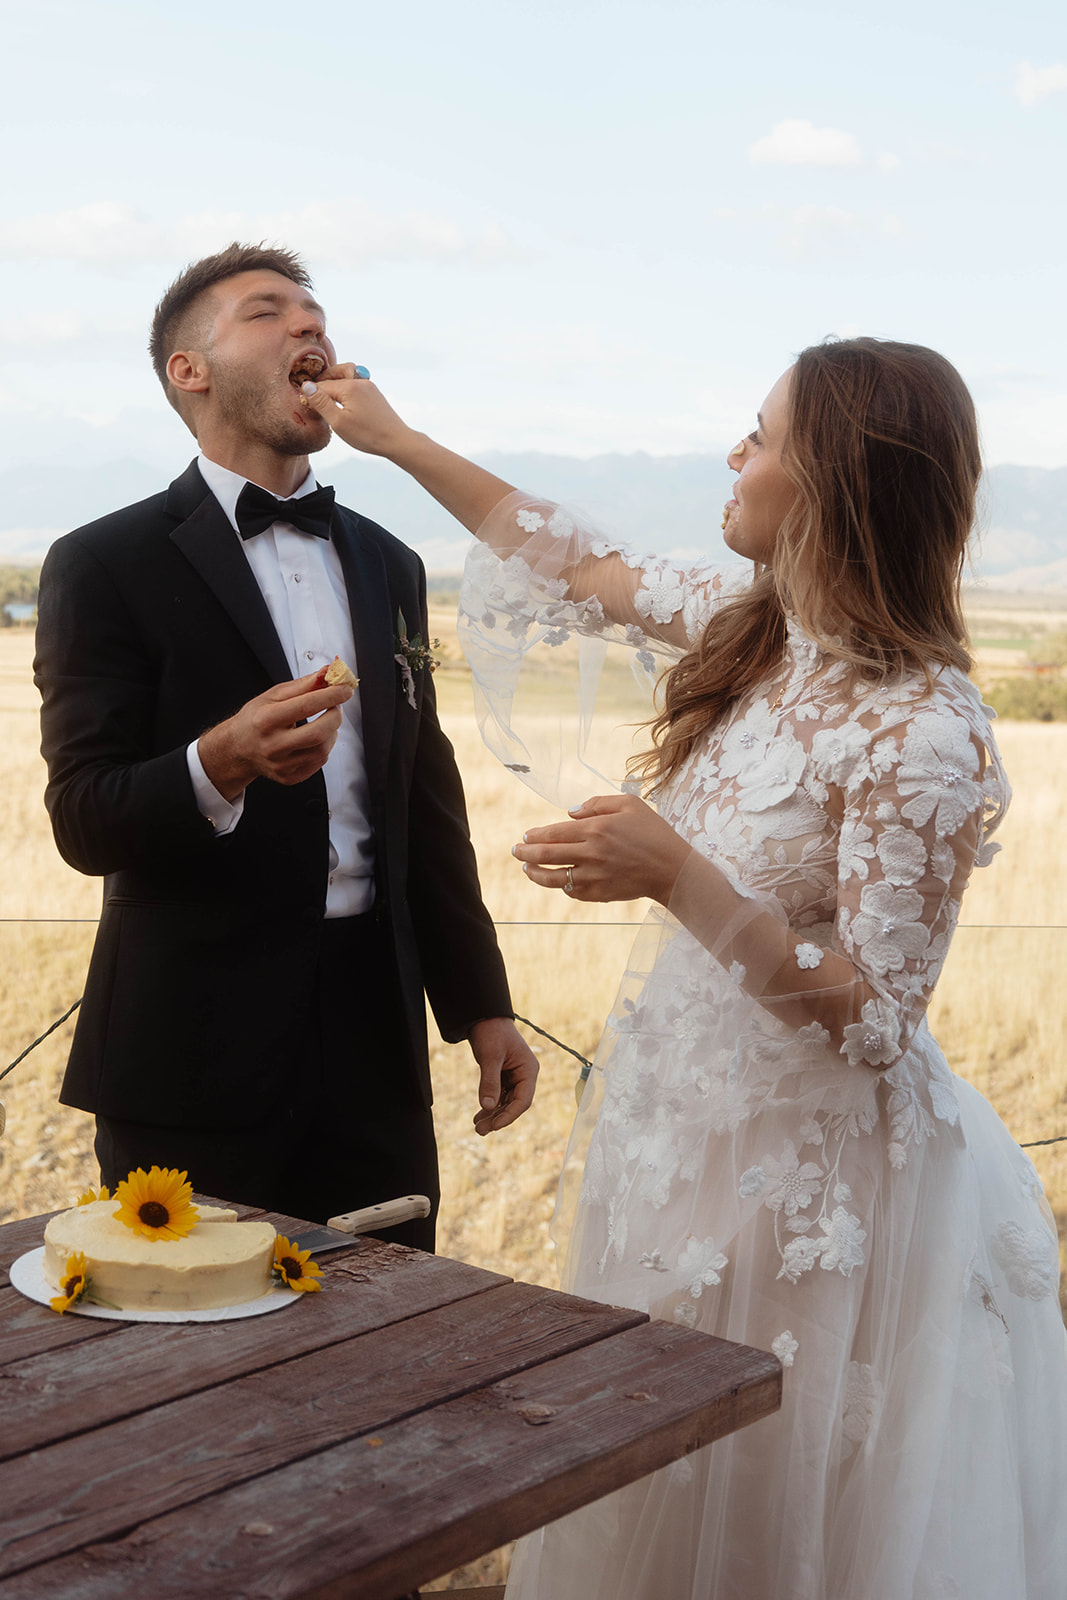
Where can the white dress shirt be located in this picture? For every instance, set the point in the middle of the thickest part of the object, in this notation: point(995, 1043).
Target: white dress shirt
point(300, 578)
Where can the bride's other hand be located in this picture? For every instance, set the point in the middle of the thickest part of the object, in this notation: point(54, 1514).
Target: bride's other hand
point(357, 411)
point(616, 848)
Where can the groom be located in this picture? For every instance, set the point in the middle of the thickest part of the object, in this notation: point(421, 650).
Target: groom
point(287, 866)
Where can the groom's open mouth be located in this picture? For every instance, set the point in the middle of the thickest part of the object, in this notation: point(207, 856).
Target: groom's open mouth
point(306, 368)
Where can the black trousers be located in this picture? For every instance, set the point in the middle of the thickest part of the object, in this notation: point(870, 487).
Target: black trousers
point(350, 1128)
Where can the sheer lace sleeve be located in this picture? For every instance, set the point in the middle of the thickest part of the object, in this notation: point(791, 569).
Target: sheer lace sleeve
point(918, 810)
point(538, 578)
point(917, 800)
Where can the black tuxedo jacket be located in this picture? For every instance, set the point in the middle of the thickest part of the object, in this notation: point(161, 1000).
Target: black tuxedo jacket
point(151, 630)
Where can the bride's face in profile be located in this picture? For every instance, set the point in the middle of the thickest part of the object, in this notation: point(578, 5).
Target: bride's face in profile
point(763, 493)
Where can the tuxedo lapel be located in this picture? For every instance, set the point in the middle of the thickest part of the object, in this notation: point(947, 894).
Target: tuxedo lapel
point(373, 627)
point(209, 544)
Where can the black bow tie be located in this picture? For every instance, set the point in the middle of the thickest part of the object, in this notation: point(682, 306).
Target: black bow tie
point(258, 510)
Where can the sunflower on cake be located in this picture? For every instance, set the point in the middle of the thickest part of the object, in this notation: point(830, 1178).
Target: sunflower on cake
point(148, 1248)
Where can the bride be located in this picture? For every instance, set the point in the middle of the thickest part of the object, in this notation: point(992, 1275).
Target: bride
point(777, 1152)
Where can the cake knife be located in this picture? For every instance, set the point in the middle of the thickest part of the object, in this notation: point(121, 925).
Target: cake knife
point(339, 1230)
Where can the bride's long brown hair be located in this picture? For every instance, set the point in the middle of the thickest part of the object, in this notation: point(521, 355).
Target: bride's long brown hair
point(882, 446)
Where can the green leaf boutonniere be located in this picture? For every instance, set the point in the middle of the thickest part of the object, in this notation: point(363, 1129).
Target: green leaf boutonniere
point(412, 656)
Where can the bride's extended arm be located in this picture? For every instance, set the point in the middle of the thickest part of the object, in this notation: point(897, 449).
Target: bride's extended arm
point(649, 597)
point(359, 414)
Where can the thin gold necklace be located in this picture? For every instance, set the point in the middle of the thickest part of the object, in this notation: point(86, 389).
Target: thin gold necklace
point(780, 696)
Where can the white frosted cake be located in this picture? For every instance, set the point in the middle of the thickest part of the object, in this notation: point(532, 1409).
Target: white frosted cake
point(221, 1262)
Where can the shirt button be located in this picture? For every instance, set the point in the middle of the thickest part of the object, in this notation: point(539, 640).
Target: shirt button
point(296, 577)
point(310, 654)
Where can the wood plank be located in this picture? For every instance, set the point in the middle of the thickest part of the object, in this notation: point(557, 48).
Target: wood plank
point(439, 1488)
point(491, 1591)
point(18, 1237)
point(27, 1329)
point(597, 1437)
point(59, 1392)
point(96, 1485)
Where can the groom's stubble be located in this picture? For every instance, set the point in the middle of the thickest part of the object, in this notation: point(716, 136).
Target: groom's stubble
point(253, 404)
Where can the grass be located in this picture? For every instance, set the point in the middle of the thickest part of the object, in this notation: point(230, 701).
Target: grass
point(999, 1010)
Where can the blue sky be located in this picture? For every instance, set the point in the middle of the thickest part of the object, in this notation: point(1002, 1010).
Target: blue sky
point(574, 227)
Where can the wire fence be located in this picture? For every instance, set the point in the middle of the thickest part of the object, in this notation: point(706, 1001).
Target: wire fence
point(586, 1064)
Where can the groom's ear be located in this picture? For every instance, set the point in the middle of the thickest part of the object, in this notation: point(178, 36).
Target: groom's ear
point(188, 375)
point(189, 372)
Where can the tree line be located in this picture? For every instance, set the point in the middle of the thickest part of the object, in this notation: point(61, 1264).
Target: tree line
point(18, 587)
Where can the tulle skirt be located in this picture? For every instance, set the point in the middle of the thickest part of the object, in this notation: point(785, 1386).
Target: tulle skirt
point(921, 1449)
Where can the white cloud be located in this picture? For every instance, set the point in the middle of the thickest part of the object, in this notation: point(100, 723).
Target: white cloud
point(344, 233)
point(795, 143)
point(1034, 83)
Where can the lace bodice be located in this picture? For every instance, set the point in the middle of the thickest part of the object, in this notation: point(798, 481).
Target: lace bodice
point(853, 812)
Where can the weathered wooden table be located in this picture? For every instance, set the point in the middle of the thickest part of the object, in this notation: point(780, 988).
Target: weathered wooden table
point(415, 1415)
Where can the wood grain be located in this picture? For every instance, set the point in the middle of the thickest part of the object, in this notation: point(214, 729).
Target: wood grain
point(429, 1492)
point(18, 1237)
point(201, 1444)
point(27, 1329)
point(379, 1284)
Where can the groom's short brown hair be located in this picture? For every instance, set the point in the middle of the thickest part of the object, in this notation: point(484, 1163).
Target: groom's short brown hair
point(175, 316)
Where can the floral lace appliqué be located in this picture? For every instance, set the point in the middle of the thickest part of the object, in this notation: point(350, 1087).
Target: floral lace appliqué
point(785, 1348)
point(1028, 1259)
point(863, 1397)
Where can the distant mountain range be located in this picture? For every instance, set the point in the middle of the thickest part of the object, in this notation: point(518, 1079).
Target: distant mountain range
point(661, 503)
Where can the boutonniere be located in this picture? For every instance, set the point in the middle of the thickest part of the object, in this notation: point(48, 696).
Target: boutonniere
point(412, 656)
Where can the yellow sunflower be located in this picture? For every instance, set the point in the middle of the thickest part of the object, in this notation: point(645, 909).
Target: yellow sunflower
point(103, 1193)
point(156, 1204)
point(295, 1267)
point(73, 1284)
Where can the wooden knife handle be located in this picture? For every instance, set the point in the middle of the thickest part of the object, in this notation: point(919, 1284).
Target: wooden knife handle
point(386, 1215)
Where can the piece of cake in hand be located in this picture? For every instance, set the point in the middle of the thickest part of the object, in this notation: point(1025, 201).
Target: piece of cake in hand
point(340, 672)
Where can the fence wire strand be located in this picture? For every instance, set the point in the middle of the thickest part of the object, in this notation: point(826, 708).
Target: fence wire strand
point(586, 1064)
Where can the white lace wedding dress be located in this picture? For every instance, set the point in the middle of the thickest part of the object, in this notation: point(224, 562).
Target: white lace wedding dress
point(839, 1198)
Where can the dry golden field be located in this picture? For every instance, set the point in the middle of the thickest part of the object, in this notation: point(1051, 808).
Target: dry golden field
point(1000, 1011)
